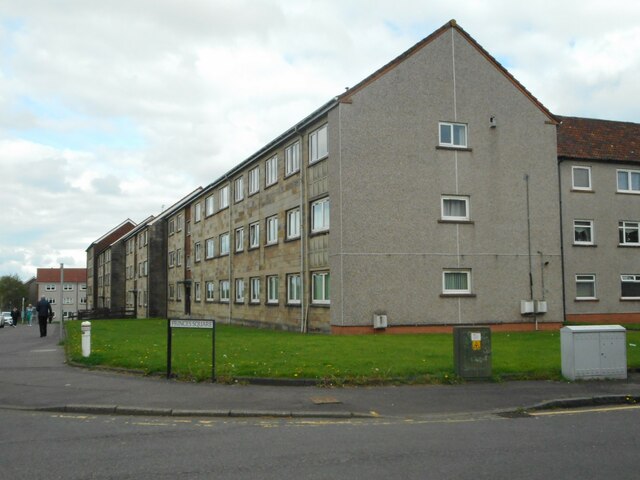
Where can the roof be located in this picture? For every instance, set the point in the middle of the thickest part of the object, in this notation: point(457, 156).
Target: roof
point(52, 275)
point(602, 140)
point(452, 24)
point(116, 232)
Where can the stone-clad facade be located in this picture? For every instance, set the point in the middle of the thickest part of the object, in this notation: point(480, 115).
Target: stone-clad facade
point(428, 195)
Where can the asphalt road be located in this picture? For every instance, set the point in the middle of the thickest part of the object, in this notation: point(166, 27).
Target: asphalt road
point(593, 444)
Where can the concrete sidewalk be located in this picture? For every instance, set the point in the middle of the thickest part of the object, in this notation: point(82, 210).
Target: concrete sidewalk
point(33, 375)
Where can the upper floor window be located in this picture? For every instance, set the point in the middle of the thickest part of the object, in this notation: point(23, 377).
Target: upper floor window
point(629, 181)
point(293, 223)
point(628, 233)
point(581, 178)
point(50, 287)
point(197, 215)
point(318, 148)
point(583, 232)
point(455, 208)
point(179, 222)
point(272, 230)
point(209, 206)
point(292, 158)
point(224, 197)
point(254, 180)
point(320, 215)
point(238, 189)
point(239, 238)
point(453, 135)
point(254, 235)
point(172, 229)
point(271, 171)
point(197, 252)
point(224, 244)
point(67, 287)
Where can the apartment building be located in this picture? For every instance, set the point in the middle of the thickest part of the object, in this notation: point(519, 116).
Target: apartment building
point(66, 289)
point(599, 169)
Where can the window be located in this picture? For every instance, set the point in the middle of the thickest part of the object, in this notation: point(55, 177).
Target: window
point(293, 223)
point(83, 300)
point(67, 301)
point(239, 237)
point(585, 287)
point(172, 291)
point(272, 289)
point(628, 233)
point(172, 230)
point(146, 268)
point(197, 215)
point(318, 148)
point(224, 290)
point(209, 291)
point(224, 244)
point(271, 171)
point(83, 286)
point(581, 178)
point(196, 291)
point(255, 290)
point(320, 215)
point(238, 189)
point(455, 208)
point(254, 180)
point(209, 206)
point(272, 230)
point(179, 222)
point(224, 197)
point(292, 158)
point(456, 282)
point(320, 288)
point(629, 181)
point(453, 135)
point(67, 287)
point(254, 235)
point(239, 290)
point(630, 286)
point(179, 257)
point(172, 259)
point(179, 292)
point(50, 287)
point(197, 252)
point(210, 248)
point(583, 232)
point(294, 289)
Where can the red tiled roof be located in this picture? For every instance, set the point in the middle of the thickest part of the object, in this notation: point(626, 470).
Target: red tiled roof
point(52, 275)
point(591, 139)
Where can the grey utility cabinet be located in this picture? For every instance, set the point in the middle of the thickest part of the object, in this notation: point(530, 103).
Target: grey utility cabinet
point(594, 352)
point(472, 352)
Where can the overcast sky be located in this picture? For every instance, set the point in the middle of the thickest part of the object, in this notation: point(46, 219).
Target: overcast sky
point(113, 109)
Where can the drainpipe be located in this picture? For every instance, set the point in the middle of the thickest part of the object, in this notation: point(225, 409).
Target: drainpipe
point(535, 317)
point(231, 247)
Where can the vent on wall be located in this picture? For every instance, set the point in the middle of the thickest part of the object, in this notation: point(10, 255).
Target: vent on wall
point(379, 321)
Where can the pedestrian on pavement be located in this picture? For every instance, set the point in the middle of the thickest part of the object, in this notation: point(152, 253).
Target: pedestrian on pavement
point(44, 313)
point(15, 316)
point(28, 314)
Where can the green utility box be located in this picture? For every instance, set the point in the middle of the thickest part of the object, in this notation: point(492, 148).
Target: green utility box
point(472, 352)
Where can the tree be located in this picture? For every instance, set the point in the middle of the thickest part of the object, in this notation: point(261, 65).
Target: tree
point(12, 291)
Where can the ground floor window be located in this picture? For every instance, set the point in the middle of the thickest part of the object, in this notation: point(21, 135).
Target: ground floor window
point(196, 291)
point(209, 291)
point(272, 289)
point(585, 287)
point(224, 290)
point(630, 286)
point(320, 282)
point(239, 290)
point(294, 289)
point(456, 282)
point(255, 290)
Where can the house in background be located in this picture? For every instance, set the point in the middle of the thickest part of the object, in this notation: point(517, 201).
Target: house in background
point(66, 289)
point(599, 168)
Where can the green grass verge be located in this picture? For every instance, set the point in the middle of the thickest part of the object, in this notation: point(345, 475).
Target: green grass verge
point(245, 352)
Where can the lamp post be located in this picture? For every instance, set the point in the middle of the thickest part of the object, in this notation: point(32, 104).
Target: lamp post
point(61, 299)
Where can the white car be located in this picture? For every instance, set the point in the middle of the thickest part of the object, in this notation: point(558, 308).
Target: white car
point(5, 318)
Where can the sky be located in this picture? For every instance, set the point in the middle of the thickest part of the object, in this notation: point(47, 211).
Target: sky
point(115, 110)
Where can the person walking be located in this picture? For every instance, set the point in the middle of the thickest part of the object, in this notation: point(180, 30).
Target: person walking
point(28, 313)
point(44, 312)
point(15, 316)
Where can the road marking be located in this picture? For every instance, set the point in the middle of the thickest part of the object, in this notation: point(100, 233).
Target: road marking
point(584, 410)
point(45, 350)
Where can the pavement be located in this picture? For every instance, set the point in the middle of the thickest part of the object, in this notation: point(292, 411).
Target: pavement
point(34, 376)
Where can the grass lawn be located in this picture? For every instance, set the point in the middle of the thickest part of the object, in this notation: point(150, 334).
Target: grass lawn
point(246, 352)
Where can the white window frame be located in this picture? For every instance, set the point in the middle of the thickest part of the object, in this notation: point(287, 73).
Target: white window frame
point(625, 226)
point(238, 189)
point(197, 212)
point(573, 178)
point(325, 298)
point(586, 278)
point(456, 291)
point(318, 145)
point(452, 127)
point(197, 294)
point(294, 289)
point(239, 290)
point(224, 291)
point(457, 198)
point(197, 252)
point(324, 206)
point(271, 225)
point(50, 287)
point(271, 171)
point(629, 278)
point(172, 259)
point(293, 223)
point(210, 248)
point(587, 225)
point(254, 180)
point(239, 239)
point(254, 287)
point(292, 159)
point(209, 206)
point(273, 289)
point(629, 174)
point(224, 244)
point(254, 235)
point(224, 197)
point(209, 291)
